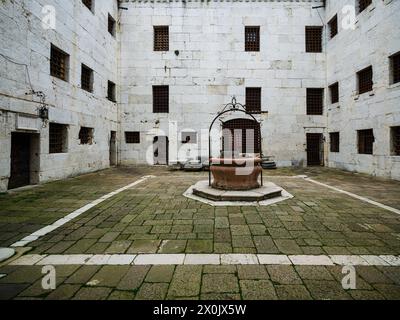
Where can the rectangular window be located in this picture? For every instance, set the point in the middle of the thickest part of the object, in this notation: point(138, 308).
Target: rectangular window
point(88, 4)
point(365, 141)
point(253, 100)
point(58, 137)
point(161, 38)
point(335, 141)
point(395, 68)
point(160, 99)
point(334, 90)
point(333, 26)
point(252, 38)
point(111, 94)
point(86, 135)
point(395, 137)
point(189, 137)
point(365, 80)
point(363, 4)
point(132, 137)
point(87, 78)
point(314, 39)
point(59, 63)
point(111, 25)
point(315, 101)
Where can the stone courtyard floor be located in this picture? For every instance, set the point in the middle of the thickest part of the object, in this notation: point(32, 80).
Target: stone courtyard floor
point(151, 242)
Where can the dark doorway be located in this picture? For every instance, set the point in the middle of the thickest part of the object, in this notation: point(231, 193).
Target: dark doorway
point(113, 148)
point(160, 147)
point(314, 149)
point(24, 159)
point(242, 136)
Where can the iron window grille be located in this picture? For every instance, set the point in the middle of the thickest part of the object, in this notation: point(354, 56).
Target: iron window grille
point(241, 136)
point(333, 26)
point(365, 80)
point(160, 99)
point(334, 90)
point(252, 38)
point(363, 4)
point(111, 25)
point(132, 137)
point(57, 138)
point(189, 137)
point(253, 100)
point(88, 4)
point(315, 101)
point(314, 39)
point(111, 94)
point(366, 141)
point(395, 133)
point(395, 68)
point(161, 38)
point(86, 135)
point(335, 141)
point(58, 63)
point(87, 78)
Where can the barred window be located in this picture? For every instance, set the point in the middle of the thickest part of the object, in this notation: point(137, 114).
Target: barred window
point(59, 63)
point(111, 94)
point(334, 90)
point(315, 101)
point(253, 100)
point(189, 137)
point(365, 80)
point(395, 68)
point(252, 38)
point(111, 25)
point(161, 38)
point(366, 141)
point(314, 39)
point(363, 4)
point(395, 135)
point(335, 141)
point(333, 26)
point(132, 137)
point(88, 4)
point(160, 99)
point(87, 78)
point(86, 135)
point(58, 137)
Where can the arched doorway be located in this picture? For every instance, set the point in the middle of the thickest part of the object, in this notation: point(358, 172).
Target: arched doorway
point(241, 136)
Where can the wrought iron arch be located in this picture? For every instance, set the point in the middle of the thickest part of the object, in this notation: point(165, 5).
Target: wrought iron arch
point(233, 106)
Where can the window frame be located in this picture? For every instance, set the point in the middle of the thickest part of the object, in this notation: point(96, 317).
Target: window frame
point(249, 45)
point(362, 136)
point(334, 142)
point(132, 137)
point(394, 73)
point(362, 86)
point(161, 38)
point(254, 100)
point(59, 71)
point(395, 141)
point(61, 145)
point(160, 106)
point(333, 27)
point(112, 25)
point(86, 136)
point(314, 110)
point(88, 88)
point(111, 91)
point(334, 93)
point(311, 47)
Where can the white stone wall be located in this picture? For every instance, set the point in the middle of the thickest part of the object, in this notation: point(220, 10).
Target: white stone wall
point(84, 36)
point(375, 38)
point(213, 66)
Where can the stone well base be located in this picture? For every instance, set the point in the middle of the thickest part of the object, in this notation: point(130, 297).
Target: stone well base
point(270, 193)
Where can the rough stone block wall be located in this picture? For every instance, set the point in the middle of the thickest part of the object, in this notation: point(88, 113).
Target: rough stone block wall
point(83, 35)
point(212, 67)
point(374, 39)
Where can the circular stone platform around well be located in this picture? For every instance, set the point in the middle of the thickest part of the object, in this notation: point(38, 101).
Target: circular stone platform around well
point(268, 191)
